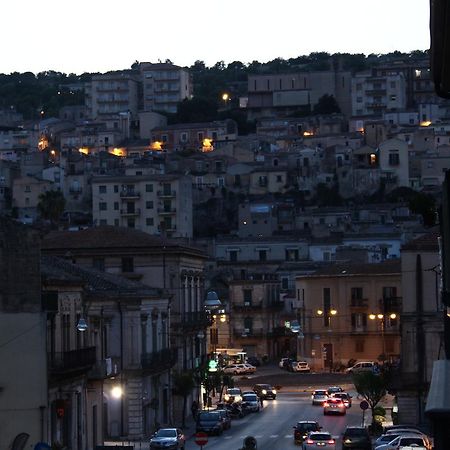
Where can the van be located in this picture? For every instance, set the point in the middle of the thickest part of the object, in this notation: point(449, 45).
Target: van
point(365, 366)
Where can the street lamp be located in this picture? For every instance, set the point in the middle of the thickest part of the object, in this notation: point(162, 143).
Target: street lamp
point(382, 319)
point(328, 314)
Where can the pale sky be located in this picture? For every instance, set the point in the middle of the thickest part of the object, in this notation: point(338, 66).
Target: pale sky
point(102, 35)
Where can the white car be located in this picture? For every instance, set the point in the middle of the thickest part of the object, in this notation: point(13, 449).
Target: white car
point(406, 440)
point(365, 366)
point(300, 366)
point(284, 363)
point(249, 368)
point(319, 397)
point(250, 402)
point(319, 440)
point(235, 369)
point(233, 395)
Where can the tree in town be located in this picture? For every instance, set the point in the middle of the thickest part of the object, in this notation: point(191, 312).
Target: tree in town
point(51, 205)
point(326, 104)
point(184, 384)
point(372, 387)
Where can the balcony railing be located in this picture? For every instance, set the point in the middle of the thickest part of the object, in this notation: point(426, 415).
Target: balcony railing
point(166, 193)
point(70, 361)
point(160, 361)
point(247, 306)
point(359, 302)
point(105, 368)
point(163, 211)
point(249, 332)
point(195, 320)
point(130, 194)
point(126, 212)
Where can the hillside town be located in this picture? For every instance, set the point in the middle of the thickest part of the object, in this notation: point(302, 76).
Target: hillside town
point(136, 248)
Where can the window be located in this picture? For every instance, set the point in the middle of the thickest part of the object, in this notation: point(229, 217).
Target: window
point(116, 188)
point(149, 221)
point(103, 222)
point(291, 254)
point(131, 223)
point(359, 99)
point(164, 137)
point(221, 182)
point(233, 255)
point(102, 189)
point(200, 136)
point(393, 84)
point(102, 206)
point(116, 222)
point(248, 325)
point(116, 206)
point(356, 296)
point(27, 188)
point(99, 264)
point(247, 296)
point(263, 180)
point(214, 135)
point(127, 264)
point(149, 204)
point(183, 137)
point(326, 306)
point(279, 178)
point(359, 321)
point(262, 255)
point(393, 98)
point(284, 283)
point(394, 159)
point(149, 188)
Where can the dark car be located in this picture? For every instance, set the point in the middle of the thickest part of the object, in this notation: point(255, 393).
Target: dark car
point(226, 418)
point(346, 398)
point(356, 437)
point(302, 429)
point(210, 422)
point(168, 438)
point(265, 391)
point(334, 389)
point(254, 361)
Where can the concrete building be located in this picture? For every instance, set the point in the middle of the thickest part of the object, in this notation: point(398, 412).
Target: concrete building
point(338, 308)
point(281, 94)
point(373, 94)
point(164, 85)
point(393, 162)
point(112, 93)
point(23, 372)
point(156, 204)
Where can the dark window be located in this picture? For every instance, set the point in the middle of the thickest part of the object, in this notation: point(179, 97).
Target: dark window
point(127, 265)
point(116, 206)
point(102, 189)
point(247, 295)
point(116, 188)
point(149, 221)
point(149, 188)
point(149, 204)
point(102, 206)
point(394, 159)
point(262, 255)
point(233, 255)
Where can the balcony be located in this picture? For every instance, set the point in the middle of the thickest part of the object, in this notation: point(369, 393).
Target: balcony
point(393, 304)
point(166, 194)
point(160, 361)
point(196, 320)
point(247, 306)
point(72, 362)
point(249, 332)
point(359, 303)
point(105, 368)
point(165, 211)
point(130, 194)
point(130, 213)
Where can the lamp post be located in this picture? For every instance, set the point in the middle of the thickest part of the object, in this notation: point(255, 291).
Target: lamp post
point(382, 319)
point(328, 314)
point(297, 330)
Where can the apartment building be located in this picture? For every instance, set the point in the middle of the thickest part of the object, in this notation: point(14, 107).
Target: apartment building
point(344, 309)
point(164, 85)
point(394, 163)
point(281, 94)
point(16, 141)
point(374, 94)
point(156, 204)
point(112, 93)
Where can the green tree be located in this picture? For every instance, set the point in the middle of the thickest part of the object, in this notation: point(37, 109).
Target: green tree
point(51, 205)
point(326, 104)
point(372, 387)
point(184, 384)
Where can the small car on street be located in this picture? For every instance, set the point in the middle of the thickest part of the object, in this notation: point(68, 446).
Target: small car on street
point(334, 406)
point(209, 422)
point(284, 363)
point(319, 440)
point(345, 397)
point(366, 366)
point(300, 366)
point(250, 402)
point(168, 438)
point(356, 438)
point(406, 440)
point(265, 391)
point(226, 418)
point(302, 429)
point(319, 396)
point(235, 369)
point(334, 389)
point(249, 368)
point(233, 395)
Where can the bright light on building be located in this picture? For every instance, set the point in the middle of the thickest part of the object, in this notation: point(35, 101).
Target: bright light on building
point(84, 150)
point(52, 152)
point(207, 145)
point(117, 152)
point(157, 145)
point(225, 96)
point(308, 133)
point(425, 123)
point(117, 392)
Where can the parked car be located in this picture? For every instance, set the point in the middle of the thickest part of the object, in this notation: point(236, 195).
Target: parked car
point(411, 431)
point(319, 396)
point(226, 418)
point(366, 366)
point(168, 438)
point(302, 429)
point(346, 398)
point(406, 440)
point(235, 369)
point(249, 368)
point(284, 363)
point(254, 361)
point(209, 422)
point(334, 406)
point(250, 402)
point(265, 391)
point(233, 395)
point(357, 438)
point(300, 366)
point(319, 439)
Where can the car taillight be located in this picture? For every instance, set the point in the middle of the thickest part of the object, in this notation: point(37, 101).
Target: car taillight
point(325, 404)
point(331, 441)
point(309, 441)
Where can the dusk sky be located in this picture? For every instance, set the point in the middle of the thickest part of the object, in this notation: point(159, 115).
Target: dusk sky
point(102, 35)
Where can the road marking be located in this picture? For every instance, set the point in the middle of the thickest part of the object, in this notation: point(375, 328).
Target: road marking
point(274, 436)
point(288, 436)
point(228, 437)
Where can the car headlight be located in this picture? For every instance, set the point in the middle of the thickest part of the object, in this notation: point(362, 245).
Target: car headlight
point(264, 391)
point(227, 397)
point(348, 441)
point(274, 391)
